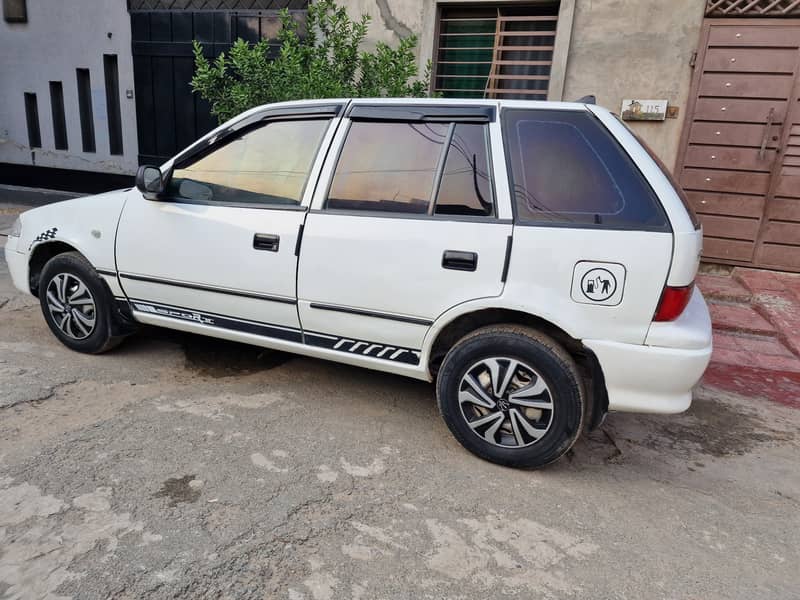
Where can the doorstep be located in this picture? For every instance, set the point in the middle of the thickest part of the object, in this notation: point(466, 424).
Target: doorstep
point(756, 319)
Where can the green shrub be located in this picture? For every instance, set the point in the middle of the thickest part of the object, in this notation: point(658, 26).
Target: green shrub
point(325, 62)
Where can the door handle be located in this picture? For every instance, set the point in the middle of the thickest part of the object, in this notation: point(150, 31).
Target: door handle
point(767, 130)
point(459, 260)
point(266, 241)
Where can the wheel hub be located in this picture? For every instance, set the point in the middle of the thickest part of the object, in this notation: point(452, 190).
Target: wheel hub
point(506, 402)
point(71, 306)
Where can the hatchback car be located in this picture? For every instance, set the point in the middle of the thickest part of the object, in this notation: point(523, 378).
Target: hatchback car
point(531, 258)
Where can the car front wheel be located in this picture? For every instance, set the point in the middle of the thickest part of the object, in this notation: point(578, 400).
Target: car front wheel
point(512, 396)
point(76, 304)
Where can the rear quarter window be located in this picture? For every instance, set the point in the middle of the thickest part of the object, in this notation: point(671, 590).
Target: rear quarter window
point(568, 170)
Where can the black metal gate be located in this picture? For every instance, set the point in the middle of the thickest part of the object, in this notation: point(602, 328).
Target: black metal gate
point(169, 116)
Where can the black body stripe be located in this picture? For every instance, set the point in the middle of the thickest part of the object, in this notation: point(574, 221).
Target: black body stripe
point(208, 288)
point(213, 320)
point(104, 272)
point(507, 261)
point(363, 348)
point(292, 334)
point(299, 239)
point(369, 313)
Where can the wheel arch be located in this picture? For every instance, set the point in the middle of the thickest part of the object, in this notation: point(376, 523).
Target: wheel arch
point(447, 334)
point(40, 254)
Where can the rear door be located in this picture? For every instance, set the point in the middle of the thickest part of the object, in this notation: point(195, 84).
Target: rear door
point(403, 227)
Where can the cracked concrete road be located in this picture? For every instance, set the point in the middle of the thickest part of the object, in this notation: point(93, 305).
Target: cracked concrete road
point(181, 467)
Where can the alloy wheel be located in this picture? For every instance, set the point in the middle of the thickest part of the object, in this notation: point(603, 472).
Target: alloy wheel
point(505, 402)
point(71, 306)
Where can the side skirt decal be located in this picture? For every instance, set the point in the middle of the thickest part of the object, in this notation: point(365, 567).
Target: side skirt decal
point(353, 346)
point(321, 340)
point(213, 320)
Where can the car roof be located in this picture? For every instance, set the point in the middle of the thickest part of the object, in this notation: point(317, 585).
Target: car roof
point(539, 104)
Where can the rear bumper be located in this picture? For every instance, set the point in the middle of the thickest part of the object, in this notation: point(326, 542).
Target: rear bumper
point(658, 378)
point(17, 265)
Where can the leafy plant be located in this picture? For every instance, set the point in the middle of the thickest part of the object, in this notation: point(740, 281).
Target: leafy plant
point(319, 60)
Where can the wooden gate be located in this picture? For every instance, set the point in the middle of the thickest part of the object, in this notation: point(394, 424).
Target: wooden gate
point(740, 158)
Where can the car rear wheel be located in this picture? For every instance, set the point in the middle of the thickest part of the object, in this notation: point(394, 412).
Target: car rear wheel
point(512, 396)
point(76, 304)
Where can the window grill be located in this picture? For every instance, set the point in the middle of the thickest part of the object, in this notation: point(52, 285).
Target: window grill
point(752, 8)
point(495, 52)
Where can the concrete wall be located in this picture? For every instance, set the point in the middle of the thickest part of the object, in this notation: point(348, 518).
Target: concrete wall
point(636, 49)
point(613, 49)
point(58, 38)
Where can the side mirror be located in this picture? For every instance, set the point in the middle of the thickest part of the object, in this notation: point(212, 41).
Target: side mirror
point(150, 182)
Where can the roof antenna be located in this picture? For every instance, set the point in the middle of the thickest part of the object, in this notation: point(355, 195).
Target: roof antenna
point(590, 99)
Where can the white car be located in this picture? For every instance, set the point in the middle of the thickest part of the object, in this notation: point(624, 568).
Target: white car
point(531, 258)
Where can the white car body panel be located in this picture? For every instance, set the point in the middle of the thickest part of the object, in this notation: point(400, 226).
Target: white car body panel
point(541, 268)
point(392, 265)
point(87, 224)
point(210, 246)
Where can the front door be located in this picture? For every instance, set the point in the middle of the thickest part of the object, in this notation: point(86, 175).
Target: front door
point(221, 248)
point(405, 227)
point(740, 161)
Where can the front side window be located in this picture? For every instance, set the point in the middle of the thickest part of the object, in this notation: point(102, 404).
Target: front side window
point(267, 165)
point(404, 167)
point(566, 169)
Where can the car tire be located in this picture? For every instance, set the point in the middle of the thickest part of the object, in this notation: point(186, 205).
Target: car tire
point(77, 304)
point(511, 395)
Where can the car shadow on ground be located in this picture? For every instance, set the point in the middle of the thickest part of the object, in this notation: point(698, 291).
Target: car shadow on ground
point(717, 425)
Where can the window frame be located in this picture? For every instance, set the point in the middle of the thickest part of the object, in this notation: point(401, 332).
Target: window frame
point(230, 134)
point(442, 115)
point(504, 12)
point(507, 151)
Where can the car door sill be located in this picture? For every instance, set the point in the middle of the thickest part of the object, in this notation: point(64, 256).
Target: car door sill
point(270, 335)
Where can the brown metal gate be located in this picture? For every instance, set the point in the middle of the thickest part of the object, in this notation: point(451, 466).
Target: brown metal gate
point(740, 159)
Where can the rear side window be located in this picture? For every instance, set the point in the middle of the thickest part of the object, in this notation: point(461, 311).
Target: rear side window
point(388, 167)
point(415, 168)
point(568, 170)
point(466, 187)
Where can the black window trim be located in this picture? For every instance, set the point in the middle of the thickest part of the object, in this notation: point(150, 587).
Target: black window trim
point(296, 113)
point(377, 214)
point(416, 113)
point(430, 213)
point(667, 228)
point(233, 133)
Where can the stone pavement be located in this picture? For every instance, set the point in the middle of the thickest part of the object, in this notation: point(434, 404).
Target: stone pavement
point(756, 319)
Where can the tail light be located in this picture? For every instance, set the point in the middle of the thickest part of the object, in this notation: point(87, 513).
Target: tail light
point(673, 302)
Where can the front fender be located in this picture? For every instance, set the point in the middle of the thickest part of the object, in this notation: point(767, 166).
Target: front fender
point(87, 224)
